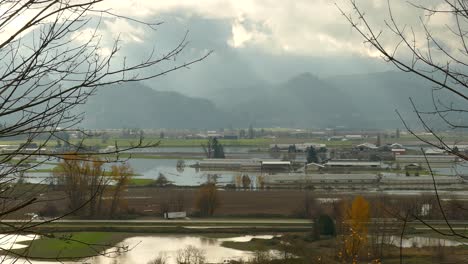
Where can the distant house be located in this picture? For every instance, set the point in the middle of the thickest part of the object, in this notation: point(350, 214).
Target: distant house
point(413, 166)
point(276, 165)
point(354, 137)
point(396, 146)
point(314, 166)
point(318, 133)
point(366, 146)
point(434, 151)
point(213, 134)
point(337, 138)
point(201, 136)
point(398, 151)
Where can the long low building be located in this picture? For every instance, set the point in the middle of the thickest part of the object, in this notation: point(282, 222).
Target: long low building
point(350, 181)
point(422, 159)
point(321, 179)
point(299, 147)
point(227, 163)
point(353, 164)
point(400, 180)
point(244, 164)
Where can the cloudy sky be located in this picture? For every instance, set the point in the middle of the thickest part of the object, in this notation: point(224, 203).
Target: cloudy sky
point(270, 36)
point(298, 27)
point(259, 40)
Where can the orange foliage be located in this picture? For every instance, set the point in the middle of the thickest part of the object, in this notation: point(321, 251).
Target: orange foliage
point(357, 218)
point(121, 176)
point(81, 179)
point(207, 200)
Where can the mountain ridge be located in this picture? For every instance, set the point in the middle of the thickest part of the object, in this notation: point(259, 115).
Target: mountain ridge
point(305, 100)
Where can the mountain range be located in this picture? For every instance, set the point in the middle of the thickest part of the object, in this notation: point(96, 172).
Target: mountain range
point(353, 101)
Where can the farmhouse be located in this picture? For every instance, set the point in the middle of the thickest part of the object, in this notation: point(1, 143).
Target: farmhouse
point(366, 146)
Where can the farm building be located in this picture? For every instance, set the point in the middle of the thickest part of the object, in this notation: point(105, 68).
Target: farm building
point(299, 147)
point(243, 164)
point(322, 180)
point(419, 182)
point(276, 165)
point(366, 146)
point(352, 164)
point(422, 159)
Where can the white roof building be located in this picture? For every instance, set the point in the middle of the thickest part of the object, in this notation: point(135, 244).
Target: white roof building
point(367, 146)
point(434, 151)
point(396, 146)
point(353, 163)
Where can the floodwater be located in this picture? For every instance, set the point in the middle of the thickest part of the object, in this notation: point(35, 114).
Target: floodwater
point(419, 242)
point(187, 176)
point(245, 238)
point(151, 168)
point(460, 168)
point(11, 241)
point(146, 248)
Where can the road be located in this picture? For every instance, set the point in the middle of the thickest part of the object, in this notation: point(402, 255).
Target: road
point(184, 221)
point(218, 224)
point(175, 226)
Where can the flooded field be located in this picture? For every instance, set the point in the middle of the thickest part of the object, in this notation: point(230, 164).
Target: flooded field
point(151, 168)
point(188, 176)
point(146, 248)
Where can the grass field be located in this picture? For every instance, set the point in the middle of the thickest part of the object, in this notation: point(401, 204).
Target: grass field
point(80, 245)
point(147, 156)
point(51, 170)
point(140, 182)
point(256, 142)
point(125, 142)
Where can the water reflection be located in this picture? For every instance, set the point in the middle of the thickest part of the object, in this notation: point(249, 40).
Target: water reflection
point(175, 172)
point(147, 248)
point(11, 241)
point(180, 173)
point(419, 242)
point(245, 238)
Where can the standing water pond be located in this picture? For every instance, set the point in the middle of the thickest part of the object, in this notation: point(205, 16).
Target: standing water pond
point(146, 248)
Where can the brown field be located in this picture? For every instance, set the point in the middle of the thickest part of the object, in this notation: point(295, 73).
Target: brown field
point(148, 202)
point(233, 202)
